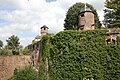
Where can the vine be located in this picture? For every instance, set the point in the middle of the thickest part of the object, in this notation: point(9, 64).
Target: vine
point(80, 55)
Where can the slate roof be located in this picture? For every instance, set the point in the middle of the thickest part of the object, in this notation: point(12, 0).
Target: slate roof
point(44, 26)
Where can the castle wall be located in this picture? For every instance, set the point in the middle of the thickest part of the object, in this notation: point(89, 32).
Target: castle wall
point(9, 63)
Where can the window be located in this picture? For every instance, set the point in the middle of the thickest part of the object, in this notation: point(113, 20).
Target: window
point(92, 24)
point(44, 28)
point(81, 28)
point(82, 15)
point(110, 41)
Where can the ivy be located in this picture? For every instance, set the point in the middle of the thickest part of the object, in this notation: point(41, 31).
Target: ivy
point(80, 55)
point(45, 53)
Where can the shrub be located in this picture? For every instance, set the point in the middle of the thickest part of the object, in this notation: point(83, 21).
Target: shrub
point(28, 73)
point(26, 51)
point(4, 52)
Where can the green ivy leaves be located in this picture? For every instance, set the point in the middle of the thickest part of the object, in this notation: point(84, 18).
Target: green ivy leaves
point(78, 55)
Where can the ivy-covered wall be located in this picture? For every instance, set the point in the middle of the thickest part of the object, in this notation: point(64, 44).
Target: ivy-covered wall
point(80, 55)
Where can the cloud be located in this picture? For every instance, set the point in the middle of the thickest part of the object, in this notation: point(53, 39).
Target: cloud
point(25, 17)
point(25, 40)
point(99, 4)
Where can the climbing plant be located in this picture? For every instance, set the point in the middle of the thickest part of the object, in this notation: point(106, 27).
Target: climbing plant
point(45, 53)
point(81, 55)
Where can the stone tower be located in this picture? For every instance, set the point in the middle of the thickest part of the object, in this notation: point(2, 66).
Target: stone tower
point(44, 30)
point(86, 19)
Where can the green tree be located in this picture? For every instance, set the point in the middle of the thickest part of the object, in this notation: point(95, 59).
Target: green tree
point(112, 13)
point(1, 44)
point(71, 20)
point(20, 49)
point(26, 51)
point(13, 44)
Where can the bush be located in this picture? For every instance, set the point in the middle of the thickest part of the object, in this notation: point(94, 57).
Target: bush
point(26, 51)
point(4, 52)
point(28, 73)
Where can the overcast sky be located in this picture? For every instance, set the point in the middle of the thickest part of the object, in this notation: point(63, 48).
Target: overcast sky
point(25, 17)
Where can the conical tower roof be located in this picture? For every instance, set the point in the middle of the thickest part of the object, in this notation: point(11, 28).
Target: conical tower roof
point(85, 9)
point(44, 26)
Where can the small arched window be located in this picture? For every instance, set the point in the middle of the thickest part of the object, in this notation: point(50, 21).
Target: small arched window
point(44, 28)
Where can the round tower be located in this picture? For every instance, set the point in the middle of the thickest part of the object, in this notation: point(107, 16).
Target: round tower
point(44, 30)
point(86, 19)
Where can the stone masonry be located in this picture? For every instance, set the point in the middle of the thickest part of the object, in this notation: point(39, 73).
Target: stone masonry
point(9, 63)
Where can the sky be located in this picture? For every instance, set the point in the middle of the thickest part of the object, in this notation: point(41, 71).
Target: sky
point(24, 18)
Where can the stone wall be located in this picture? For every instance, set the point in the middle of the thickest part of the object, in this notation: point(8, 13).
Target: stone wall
point(9, 63)
point(86, 21)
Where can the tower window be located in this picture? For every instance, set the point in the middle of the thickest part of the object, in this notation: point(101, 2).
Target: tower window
point(93, 25)
point(81, 28)
point(82, 15)
point(44, 28)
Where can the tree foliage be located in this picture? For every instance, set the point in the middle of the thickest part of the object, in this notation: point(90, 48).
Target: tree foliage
point(13, 44)
point(71, 20)
point(112, 13)
point(3, 51)
point(81, 55)
point(1, 44)
point(26, 51)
